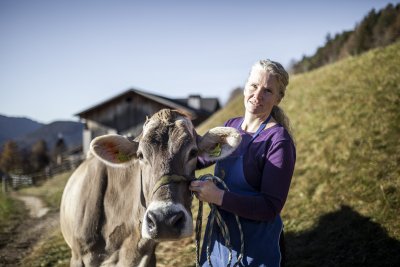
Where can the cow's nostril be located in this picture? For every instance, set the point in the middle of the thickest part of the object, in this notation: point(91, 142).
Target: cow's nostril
point(151, 221)
point(177, 220)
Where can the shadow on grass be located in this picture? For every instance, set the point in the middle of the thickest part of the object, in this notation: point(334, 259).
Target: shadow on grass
point(343, 238)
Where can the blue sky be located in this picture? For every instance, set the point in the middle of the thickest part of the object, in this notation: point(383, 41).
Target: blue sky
point(60, 57)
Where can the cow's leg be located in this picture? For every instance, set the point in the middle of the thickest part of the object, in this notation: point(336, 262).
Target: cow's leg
point(148, 260)
point(152, 260)
point(76, 261)
point(93, 259)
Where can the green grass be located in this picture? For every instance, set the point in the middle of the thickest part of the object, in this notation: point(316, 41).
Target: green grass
point(11, 212)
point(50, 191)
point(347, 125)
point(344, 203)
point(51, 251)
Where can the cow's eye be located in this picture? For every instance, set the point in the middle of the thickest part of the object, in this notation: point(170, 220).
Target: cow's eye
point(193, 154)
point(140, 155)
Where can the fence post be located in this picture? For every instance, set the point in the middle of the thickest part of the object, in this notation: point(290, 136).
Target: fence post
point(4, 183)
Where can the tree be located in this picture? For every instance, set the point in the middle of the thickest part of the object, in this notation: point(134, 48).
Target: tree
point(26, 161)
point(59, 149)
point(381, 31)
point(393, 32)
point(362, 38)
point(376, 29)
point(39, 156)
point(10, 159)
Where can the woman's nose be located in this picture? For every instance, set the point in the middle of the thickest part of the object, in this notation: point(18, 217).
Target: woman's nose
point(258, 93)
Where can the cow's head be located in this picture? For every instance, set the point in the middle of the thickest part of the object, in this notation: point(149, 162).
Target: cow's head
point(167, 152)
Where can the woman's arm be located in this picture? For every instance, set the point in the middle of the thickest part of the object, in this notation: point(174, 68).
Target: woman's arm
point(276, 178)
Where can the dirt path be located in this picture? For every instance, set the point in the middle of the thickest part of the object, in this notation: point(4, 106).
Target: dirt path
point(18, 242)
point(37, 208)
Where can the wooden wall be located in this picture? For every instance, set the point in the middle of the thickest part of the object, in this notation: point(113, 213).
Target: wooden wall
point(124, 113)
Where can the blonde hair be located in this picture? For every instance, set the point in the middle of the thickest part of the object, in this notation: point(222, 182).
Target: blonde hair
point(278, 71)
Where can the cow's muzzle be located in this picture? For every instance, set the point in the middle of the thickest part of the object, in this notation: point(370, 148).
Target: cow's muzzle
point(166, 221)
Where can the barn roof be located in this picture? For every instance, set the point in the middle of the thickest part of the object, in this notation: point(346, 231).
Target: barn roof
point(171, 103)
point(209, 104)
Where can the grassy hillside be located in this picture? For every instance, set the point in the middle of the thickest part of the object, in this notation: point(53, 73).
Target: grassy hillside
point(344, 203)
point(345, 196)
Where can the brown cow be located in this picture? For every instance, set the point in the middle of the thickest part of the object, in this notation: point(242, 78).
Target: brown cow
point(129, 195)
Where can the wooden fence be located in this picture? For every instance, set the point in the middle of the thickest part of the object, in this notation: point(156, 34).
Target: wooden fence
point(16, 181)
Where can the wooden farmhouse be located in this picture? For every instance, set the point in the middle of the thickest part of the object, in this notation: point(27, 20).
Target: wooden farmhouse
point(125, 113)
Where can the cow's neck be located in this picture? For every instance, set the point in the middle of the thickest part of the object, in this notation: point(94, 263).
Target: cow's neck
point(122, 208)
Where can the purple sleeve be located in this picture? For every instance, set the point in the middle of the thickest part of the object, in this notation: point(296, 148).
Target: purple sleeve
point(276, 178)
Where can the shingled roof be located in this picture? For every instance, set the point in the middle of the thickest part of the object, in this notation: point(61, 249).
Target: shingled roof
point(206, 108)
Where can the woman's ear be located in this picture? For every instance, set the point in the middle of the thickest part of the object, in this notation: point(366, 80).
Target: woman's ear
point(218, 143)
point(114, 150)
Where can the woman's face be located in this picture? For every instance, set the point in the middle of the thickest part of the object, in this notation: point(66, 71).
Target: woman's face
point(261, 93)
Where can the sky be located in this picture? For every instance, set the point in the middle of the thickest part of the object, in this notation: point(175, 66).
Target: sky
point(58, 58)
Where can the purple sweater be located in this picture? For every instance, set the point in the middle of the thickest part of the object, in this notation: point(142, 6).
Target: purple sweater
point(268, 168)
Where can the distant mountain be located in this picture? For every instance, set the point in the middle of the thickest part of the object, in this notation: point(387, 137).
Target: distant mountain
point(70, 131)
point(14, 127)
point(26, 132)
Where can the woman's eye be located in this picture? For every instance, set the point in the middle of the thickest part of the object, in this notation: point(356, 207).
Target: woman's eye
point(252, 87)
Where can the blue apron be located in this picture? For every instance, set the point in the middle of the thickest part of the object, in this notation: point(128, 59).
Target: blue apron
point(261, 239)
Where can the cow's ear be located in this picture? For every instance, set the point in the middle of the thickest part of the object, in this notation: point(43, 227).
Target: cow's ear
point(218, 143)
point(114, 150)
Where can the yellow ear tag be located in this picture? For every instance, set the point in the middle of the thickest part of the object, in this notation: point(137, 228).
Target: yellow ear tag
point(121, 157)
point(216, 152)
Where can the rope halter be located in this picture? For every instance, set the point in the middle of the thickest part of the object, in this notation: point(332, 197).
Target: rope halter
point(169, 179)
point(216, 216)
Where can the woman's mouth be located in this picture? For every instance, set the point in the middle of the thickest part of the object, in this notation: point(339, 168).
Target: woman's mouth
point(255, 103)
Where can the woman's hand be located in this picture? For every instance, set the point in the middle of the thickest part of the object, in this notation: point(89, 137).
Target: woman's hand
point(207, 191)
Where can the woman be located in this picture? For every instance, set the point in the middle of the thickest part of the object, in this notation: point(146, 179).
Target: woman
point(258, 174)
